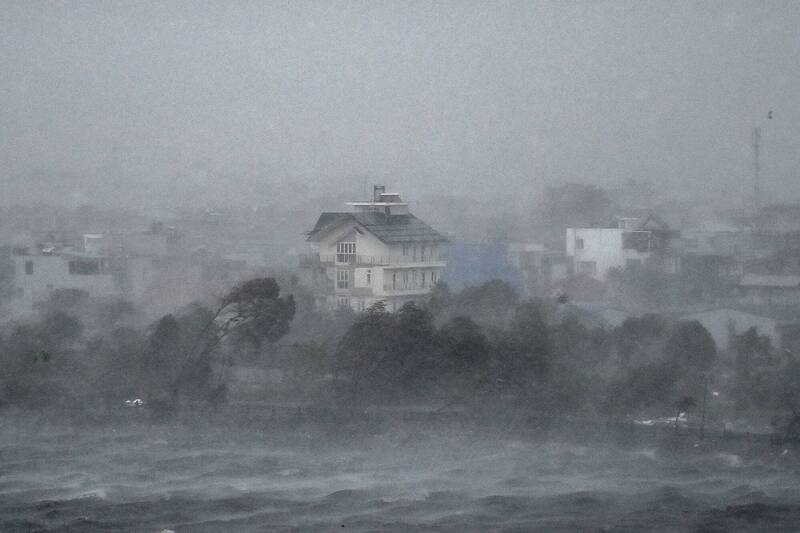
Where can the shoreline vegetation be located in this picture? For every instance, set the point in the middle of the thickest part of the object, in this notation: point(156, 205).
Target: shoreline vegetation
point(482, 359)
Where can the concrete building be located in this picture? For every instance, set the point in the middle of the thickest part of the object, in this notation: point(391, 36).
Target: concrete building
point(101, 264)
point(39, 273)
point(376, 252)
point(765, 289)
point(628, 243)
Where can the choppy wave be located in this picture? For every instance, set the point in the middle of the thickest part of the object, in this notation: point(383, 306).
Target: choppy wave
point(154, 478)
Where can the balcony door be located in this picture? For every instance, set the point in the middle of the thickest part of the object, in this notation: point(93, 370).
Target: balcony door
point(345, 252)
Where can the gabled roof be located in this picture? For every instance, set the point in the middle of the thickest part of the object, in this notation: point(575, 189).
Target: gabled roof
point(391, 229)
point(325, 220)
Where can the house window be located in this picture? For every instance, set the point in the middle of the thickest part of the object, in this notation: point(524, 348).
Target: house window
point(342, 279)
point(587, 267)
point(345, 252)
point(434, 277)
point(405, 278)
point(405, 250)
point(361, 305)
point(579, 244)
point(415, 253)
point(423, 280)
point(422, 254)
point(369, 277)
point(344, 303)
point(29, 267)
point(394, 280)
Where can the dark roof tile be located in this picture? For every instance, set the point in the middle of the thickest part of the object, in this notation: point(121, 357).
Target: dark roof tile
point(391, 229)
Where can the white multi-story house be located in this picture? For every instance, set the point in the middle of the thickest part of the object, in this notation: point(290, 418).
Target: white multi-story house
point(103, 264)
point(376, 252)
point(630, 243)
point(39, 273)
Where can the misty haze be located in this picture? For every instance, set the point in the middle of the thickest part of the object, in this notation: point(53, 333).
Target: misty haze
point(448, 266)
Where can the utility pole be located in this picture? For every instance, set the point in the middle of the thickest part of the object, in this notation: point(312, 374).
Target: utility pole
point(757, 165)
point(756, 169)
point(703, 411)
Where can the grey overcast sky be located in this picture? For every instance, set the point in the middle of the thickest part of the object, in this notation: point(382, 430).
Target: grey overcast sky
point(168, 101)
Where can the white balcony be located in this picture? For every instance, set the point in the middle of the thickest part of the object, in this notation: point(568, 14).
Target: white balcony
point(405, 289)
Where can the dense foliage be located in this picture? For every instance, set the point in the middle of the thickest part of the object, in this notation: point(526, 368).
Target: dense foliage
point(82, 352)
point(481, 348)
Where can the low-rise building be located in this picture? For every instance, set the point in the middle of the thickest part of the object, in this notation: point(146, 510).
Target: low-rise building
point(765, 289)
point(39, 273)
point(628, 243)
point(379, 251)
point(100, 264)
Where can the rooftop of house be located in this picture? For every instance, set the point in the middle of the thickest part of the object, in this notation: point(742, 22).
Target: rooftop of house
point(391, 229)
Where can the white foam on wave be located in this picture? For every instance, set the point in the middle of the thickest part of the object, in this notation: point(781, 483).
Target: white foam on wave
point(729, 459)
point(99, 493)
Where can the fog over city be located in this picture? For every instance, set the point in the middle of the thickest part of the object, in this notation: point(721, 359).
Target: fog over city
point(125, 102)
point(399, 266)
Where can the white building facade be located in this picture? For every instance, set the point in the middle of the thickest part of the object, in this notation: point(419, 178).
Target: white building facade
point(632, 243)
point(37, 275)
point(377, 252)
point(102, 265)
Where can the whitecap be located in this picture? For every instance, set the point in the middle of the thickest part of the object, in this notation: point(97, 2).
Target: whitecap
point(729, 459)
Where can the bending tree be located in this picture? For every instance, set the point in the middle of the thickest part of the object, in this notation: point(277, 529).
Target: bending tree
point(254, 311)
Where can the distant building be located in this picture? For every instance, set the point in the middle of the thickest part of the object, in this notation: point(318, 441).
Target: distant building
point(40, 273)
point(378, 251)
point(155, 242)
point(540, 267)
point(628, 243)
point(765, 289)
point(102, 264)
point(474, 263)
point(777, 219)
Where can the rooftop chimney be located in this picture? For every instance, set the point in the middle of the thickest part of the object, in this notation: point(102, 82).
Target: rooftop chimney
point(377, 190)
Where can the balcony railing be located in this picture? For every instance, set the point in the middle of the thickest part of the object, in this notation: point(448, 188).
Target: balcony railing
point(400, 289)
